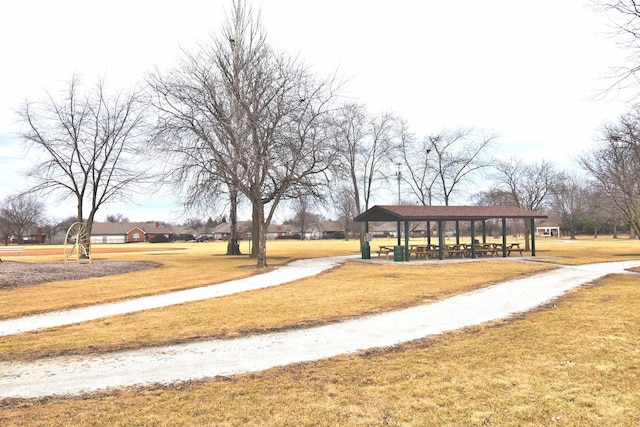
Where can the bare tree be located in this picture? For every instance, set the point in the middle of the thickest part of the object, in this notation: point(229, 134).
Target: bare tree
point(569, 198)
point(625, 18)
point(89, 143)
point(5, 229)
point(303, 215)
point(528, 185)
point(344, 201)
point(19, 213)
point(615, 167)
point(601, 211)
point(457, 156)
point(494, 197)
point(252, 118)
point(366, 146)
point(116, 218)
point(420, 173)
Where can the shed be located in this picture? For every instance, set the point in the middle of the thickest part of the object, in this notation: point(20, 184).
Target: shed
point(441, 214)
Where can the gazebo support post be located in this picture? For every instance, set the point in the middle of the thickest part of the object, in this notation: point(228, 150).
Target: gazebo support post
point(504, 237)
point(457, 232)
point(533, 238)
point(484, 231)
point(440, 240)
point(399, 238)
point(406, 240)
point(473, 239)
point(428, 232)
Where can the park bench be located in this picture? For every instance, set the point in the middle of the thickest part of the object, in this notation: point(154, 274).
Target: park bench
point(11, 249)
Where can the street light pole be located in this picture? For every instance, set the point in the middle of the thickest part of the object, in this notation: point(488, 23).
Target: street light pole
point(399, 176)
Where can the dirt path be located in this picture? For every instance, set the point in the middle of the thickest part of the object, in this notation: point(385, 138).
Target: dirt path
point(79, 374)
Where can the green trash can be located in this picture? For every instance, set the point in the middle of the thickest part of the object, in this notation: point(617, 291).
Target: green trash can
point(366, 250)
point(398, 253)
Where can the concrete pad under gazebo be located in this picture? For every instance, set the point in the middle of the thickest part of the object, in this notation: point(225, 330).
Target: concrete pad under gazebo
point(442, 214)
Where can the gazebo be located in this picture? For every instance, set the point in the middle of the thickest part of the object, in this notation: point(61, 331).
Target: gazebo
point(442, 214)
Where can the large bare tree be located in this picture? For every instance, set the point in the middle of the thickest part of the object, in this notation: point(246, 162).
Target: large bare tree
point(615, 167)
point(420, 171)
point(457, 156)
point(366, 145)
point(87, 144)
point(526, 185)
point(437, 166)
point(252, 117)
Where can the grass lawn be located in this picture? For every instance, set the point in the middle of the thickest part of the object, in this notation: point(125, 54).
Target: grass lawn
point(575, 362)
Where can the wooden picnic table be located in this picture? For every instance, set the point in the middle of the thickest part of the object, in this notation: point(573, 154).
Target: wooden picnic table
point(424, 250)
point(514, 247)
point(386, 250)
point(460, 250)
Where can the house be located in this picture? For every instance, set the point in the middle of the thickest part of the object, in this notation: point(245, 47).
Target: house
point(275, 231)
point(283, 231)
point(184, 233)
point(34, 235)
point(326, 230)
point(222, 231)
point(129, 232)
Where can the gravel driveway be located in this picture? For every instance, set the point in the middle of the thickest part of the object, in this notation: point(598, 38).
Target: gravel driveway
point(80, 374)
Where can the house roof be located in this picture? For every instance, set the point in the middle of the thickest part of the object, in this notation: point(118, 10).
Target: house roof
point(444, 213)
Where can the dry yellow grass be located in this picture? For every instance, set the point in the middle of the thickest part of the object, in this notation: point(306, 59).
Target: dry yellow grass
point(183, 266)
point(351, 290)
point(585, 250)
point(573, 363)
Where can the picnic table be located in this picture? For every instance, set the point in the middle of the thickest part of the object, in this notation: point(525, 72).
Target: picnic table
point(424, 251)
point(510, 247)
point(386, 250)
point(460, 250)
point(514, 247)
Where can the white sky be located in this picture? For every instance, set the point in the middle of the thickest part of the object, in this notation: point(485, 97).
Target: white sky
point(528, 71)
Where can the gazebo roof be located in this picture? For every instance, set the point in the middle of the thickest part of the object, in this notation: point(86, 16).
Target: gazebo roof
point(444, 213)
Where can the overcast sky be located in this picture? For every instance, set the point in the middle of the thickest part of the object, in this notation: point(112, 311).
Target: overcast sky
point(530, 72)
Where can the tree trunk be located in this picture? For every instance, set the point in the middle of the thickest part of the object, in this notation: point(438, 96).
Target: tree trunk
point(233, 248)
point(527, 235)
point(262, 244)
point(87, 238)
point(256, 220)
point(86, 244)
